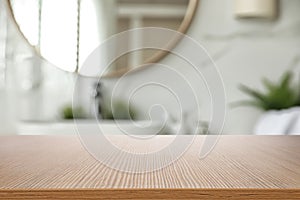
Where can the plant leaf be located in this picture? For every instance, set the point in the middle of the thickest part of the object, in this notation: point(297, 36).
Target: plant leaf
point(268, 84)
point(286, 79)
point(253, 93)
point(277, 96)
point(256, 104)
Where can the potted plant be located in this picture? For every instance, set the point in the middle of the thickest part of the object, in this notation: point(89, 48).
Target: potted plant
point(280, 101)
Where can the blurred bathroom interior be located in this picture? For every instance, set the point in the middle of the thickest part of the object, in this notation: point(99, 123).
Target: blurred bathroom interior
point(254, 48)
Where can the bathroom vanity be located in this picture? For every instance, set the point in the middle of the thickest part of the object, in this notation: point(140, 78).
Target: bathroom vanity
point(238, 167)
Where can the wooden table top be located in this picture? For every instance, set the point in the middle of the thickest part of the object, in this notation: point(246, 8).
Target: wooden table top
point(252, 167)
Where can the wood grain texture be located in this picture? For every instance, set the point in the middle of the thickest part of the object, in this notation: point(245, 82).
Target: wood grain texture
point(250, 167)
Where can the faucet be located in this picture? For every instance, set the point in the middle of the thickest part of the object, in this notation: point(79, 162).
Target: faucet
point(97, 95)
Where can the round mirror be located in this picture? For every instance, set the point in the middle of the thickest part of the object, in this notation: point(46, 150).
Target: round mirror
point(65, 32)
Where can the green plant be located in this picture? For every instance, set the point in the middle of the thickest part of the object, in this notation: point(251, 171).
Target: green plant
point(118, 110)
point(69, 113)
point(277, 96)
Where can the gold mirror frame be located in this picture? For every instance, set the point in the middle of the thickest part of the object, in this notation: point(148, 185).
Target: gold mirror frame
point(155, 58)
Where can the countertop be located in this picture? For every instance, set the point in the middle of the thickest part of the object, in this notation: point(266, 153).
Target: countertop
point(58, 167)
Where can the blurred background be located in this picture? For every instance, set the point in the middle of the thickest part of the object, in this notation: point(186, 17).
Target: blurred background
point(43, 44)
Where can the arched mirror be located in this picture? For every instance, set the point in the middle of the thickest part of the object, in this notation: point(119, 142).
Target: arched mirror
point(66, 32)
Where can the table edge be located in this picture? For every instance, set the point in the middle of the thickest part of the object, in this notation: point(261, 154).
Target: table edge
point(170, 193)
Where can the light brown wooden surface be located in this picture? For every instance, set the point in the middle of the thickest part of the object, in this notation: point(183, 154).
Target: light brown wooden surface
point(250, 167)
